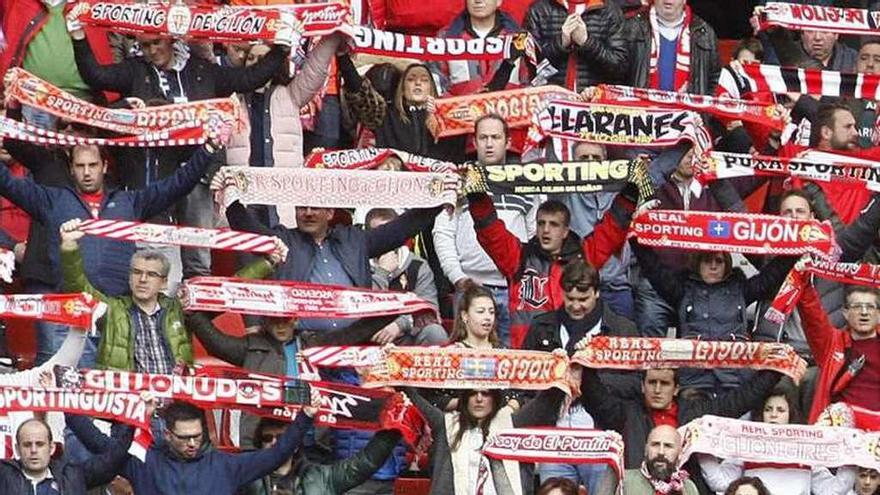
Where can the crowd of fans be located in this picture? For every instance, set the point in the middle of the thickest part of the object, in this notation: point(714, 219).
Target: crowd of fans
point(504, 270)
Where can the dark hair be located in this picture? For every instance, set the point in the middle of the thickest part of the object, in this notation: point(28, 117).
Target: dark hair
point(863, 469)
point(754, 482)
point(644, 374)
point(825, 117)
point(751, 44)
point(789, 393)
point(492, 116)
point(800, 193)
point(459, 328)
point(183, 411)
point(379, 214)
point(701, 256)
point(869, 40)
point(555, 206)
point(399, 102)
point(578, 273)
point(265, 424)
point(466, 421)
point(564, 485)
point(384, 78)
point(852, 289)
point(34, 420)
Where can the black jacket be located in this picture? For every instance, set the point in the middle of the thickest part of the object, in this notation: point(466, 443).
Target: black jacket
point(544, 331)
point(71, 478)
point(602, 59)
point(705, 64)
point(632, 419)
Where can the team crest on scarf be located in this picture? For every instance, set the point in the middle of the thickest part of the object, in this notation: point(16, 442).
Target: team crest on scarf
point(179, 18)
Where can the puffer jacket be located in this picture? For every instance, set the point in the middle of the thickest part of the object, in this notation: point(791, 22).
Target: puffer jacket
point(106, 260)
point(711, 311)
point(705, 64)
point(532, 275)
point(281, 121)
point(602, 59)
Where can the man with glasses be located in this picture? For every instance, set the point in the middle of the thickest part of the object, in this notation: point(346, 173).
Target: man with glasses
point(144, 331)
point(848, 358)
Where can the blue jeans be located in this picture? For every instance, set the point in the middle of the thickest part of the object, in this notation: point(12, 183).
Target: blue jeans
point(654, 315)
point(50, 336)
point(502, 315)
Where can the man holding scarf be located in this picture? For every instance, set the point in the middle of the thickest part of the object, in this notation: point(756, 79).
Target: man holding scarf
point(583, 39)
point(658, 474)
point(672, 49)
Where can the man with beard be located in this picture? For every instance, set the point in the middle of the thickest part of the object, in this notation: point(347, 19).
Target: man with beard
point(658, 473)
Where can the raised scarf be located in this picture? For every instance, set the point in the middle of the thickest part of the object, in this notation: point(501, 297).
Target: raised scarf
point(799, 17)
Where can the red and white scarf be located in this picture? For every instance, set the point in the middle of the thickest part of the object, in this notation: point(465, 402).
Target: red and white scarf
point(178, 136)
point(222, 239)
point(798, 17)
point(816, 446)
point(7, 265)
point(735, 233)
point(814, 82)
point(792, 288)
point(386, 43)
point(77, 309)
point(295, 299)
point(637, 353)
point(682, 52)
point(675, 484)
point(371, 158)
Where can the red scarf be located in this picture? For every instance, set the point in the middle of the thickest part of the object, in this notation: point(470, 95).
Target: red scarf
point(682, 53)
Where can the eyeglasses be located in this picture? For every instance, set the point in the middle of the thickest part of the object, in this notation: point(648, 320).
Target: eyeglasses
point(862, 306)
point(187, 438)
point(138, 273)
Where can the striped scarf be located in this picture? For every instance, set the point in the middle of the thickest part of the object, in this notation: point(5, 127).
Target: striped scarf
point(682, 53)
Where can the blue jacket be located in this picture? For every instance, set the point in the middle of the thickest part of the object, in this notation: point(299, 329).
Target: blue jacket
point(352, 245)
point(106, 261)
point(210, 473)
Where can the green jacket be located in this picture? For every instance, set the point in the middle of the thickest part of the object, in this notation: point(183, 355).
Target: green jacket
point(116, 350)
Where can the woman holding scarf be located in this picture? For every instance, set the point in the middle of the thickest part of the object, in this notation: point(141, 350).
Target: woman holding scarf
point(780, 408)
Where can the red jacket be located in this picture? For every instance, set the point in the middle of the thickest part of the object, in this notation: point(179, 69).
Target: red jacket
point(532, 276)
point(829, 346)
point(23, 19)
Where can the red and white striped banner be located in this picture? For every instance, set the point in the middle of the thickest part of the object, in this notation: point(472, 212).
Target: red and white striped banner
point(295, 299)
point(178, 136)
point(371, 158)
point(735, 233)
point(222, 239)
point(78, 309)
point(818, 18)
point(342, 356)
point(814, 82)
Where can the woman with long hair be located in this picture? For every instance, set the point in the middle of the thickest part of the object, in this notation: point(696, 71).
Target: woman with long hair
point(780, 407)
point(475, 322)
point(458, 465)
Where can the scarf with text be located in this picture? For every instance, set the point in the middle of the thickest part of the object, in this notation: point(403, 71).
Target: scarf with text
point(675, 484)
point(735, 233)
point(341, 406)
point(723, 165)
point(456, 115)
point(558, 446)
point(294, 299)
point(630, 124)
point(769, 115)
point(330, 188)
point(818, 18)
point(792, 288)
point(32, 91)
point(79, 309)
point(371, 158)
point(560, 177)
point(816, 446)
point(124, 407)
point(338, 356)
point(815, 82)
point(213, 23)
point(177, 136)
point(462, 368)
point(7, 265)
point(223, 239)
point(641, 353)
point(682, 52)
point(386, 43)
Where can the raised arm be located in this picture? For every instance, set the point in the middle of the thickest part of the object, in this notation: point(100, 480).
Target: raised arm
point(315, 70)
point(736, 402)
point(117, 77)
point(602, 403)
point(818, 330)
point(100, 469)
point(499, 243)
point(247, 79)
point(396, 232)
point(543, 410)
point(240, 218)
point(250, 466)
point(26, 194)
point(351, 472)
point(218, 343)
point(159, 196)
point(858, 236)
point(608, 236)
point(667, 282)
point(434, 416)
point(766, 282)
